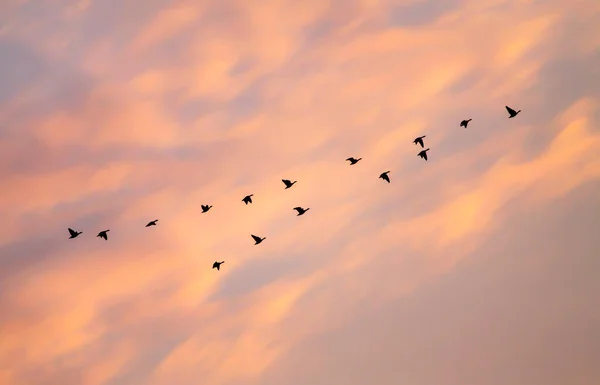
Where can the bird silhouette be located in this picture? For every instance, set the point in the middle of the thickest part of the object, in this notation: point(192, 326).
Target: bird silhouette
point(385, 177)
point(103, 234)
point(247, 199)
point(419, 140)
point(257, 240)
point(512, 112)
point(205, 208)
point(152, 223)
point(353, 160)
point(74, 234)
point(288, 183)
point(464, 123)
point(423, 154)
point(217, 265)
point(300, 210)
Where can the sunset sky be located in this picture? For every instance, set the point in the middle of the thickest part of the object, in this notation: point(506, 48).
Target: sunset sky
point(480, 266)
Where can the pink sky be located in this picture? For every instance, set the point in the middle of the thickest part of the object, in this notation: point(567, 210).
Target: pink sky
point(479, 266)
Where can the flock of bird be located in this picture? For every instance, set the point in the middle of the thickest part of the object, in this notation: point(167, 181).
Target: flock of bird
point(288, 184)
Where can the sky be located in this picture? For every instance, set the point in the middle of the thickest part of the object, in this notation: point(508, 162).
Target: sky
point(478, 266)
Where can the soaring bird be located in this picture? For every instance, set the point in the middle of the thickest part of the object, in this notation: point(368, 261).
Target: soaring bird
point(465, 122)
point(512, 112)
point(258, 240)
point(288, 183)
point(247, 199)
point(385, 177)
point(300, 210)
point(152, 223)
point(103, 234)
point(353, 160)
point(205, 208)
point(217, 265)
point(423, 154)
point(73, 233)
point(419, 140)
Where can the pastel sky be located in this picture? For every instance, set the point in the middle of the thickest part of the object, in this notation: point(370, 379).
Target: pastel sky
point(479, 266)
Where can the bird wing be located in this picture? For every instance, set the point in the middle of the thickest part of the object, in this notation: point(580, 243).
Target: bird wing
point(386, 178)
point(285, 181)
point(219, 267)
point(425, 156)
point(420, 141)
point(510, 110)
point(72, 232)
point(104, 235)
point(257, 239)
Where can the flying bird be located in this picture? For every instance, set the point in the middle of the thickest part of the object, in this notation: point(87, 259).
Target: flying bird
point(152, 223)
point(300, 210)
point(465, 122)
point(217, 265)
point(288, 183)
point(512, 112)
point(247, 199)
point(385, 177)
point(103, 234)
point(205, 208)
point(257, 240)
point(353, 160)
point(419, 140)
point(73, 233)
point(423, 154)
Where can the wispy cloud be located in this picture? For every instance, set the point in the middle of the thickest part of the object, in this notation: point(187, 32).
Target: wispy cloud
point(474, 267)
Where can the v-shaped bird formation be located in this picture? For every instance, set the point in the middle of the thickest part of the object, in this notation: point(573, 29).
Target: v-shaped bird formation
point(288, 184)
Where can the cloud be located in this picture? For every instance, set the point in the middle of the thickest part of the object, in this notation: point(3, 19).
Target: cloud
point(470, 267)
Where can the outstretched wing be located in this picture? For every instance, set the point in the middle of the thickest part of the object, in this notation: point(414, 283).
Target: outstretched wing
point(72, 232)
point(510, 110)
point(425, 156)
point(257, 239)
point(104, 235)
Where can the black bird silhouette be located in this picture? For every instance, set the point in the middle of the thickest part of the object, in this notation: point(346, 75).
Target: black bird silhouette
point(152, 223)
point(257, 240)
point(73, 233)
point(465, 122)
point(385, 177)
point(512, 112)
point(300, 210)
point(217, 265)
point(288, 183)
point(247, 199)
point(103, 234)
point(419, 140)
point(423, 154)
point(205, 208)
point(353, 160)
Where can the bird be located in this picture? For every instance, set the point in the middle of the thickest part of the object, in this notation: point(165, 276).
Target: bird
point(257, 239)
point(419, 140)
point(247, 199)
point(288, 183)
point(152, 223)
point(300, 210)
point(205, 208)
point(465, 122)
point(217, 265)
point(73, 233)
point(423, 154)
point(512, 112)
point(103, 234)
point(353, 160)
point(385, 177)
